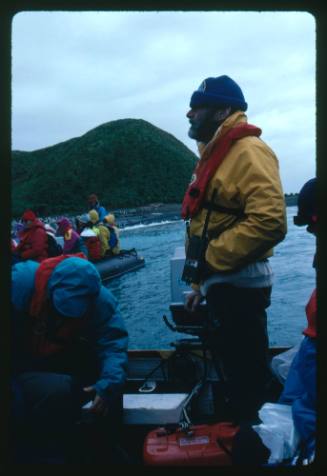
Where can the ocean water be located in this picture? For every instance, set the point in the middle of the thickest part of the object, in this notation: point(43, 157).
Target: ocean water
point(144, 295)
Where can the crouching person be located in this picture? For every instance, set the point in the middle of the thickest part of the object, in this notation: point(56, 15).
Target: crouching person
point(69, 348)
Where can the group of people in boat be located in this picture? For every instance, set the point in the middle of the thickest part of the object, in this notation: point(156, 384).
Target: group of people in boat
point(235, 213)
point(94, 233)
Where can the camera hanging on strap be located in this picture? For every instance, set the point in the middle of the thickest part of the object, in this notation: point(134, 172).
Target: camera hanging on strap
point(195, 254)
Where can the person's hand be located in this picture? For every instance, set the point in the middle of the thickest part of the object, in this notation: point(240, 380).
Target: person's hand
point(193, 300)
point(99, 404)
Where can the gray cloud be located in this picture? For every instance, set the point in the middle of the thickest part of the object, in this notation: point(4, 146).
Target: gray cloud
point(73, 71)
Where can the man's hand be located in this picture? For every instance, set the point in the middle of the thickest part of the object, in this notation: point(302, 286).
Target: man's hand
point(193, 300)
point(99, 404)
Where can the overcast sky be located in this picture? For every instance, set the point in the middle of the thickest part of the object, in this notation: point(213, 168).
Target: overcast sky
point(73, 71)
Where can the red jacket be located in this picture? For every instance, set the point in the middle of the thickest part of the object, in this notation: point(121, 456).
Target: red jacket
point(93, 245)
point(311, 311)
point(34, 243)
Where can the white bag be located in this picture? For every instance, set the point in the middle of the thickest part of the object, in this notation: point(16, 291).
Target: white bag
point(277, 431)
point(281, 363)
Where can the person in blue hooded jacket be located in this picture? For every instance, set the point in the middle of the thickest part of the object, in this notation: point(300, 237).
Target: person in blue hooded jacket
point(69, 347)
point(93, 204)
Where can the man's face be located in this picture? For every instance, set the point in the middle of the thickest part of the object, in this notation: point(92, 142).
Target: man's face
point(203, 123)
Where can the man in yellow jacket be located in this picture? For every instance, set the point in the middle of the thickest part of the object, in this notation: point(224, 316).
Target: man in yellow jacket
point(237, 182)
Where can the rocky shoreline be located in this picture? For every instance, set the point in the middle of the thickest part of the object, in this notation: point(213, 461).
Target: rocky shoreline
point(147, 214)
point(161, 212)
point(126, 217)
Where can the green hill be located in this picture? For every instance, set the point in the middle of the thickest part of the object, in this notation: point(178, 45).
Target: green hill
point(127, 163)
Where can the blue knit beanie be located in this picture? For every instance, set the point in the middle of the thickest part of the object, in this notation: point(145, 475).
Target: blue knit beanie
point(220, 91)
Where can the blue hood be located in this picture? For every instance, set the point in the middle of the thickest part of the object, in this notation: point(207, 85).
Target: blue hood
point(71, 285)
point(22, 283)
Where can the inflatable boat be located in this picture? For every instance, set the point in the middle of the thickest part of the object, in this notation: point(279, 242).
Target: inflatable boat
point(114, 266)
point(174, 407)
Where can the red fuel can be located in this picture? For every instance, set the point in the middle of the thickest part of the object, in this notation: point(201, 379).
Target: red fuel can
point(204, 445)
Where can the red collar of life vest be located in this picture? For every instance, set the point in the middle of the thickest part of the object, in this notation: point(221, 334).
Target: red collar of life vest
point(38, 342)
point(42, 276)
point(311, 312)
point(205, 169)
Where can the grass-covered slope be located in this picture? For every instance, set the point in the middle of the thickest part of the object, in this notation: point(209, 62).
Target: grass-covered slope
point(127, 163)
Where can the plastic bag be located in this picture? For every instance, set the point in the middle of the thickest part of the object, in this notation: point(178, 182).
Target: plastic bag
point(280, 364)
point(277, 431)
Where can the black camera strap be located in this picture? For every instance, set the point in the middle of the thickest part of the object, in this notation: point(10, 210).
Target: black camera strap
point(195, 255)
point(188, 229)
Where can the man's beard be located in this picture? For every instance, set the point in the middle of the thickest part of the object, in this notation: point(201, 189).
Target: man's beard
point(203, 131)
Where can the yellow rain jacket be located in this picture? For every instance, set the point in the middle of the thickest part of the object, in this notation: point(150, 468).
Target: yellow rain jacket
point(110, 220)
point(248, 180)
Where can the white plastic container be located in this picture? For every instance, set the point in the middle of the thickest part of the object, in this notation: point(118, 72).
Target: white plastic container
point(153, 409)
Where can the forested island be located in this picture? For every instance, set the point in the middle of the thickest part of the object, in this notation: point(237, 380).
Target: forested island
point(128, 163)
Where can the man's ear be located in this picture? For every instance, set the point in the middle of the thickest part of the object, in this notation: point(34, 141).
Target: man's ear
point(222, 114)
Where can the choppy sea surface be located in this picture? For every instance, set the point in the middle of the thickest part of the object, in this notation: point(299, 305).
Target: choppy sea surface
point(144, 295)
